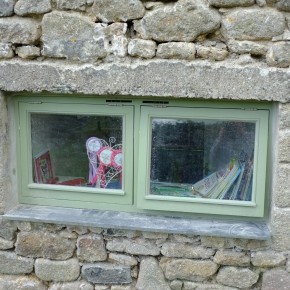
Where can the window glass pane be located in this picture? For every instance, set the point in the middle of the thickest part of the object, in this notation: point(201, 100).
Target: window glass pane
point(77, 150)
point(202, 158)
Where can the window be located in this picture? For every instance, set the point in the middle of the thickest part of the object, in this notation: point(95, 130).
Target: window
point(143, 155)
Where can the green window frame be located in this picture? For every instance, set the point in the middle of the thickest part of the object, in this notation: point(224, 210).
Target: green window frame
point(137, 115)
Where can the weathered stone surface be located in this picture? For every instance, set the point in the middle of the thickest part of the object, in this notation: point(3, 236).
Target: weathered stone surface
point(188, 239)
point(253, 24)
point(58, 271)
point(107, 273)
point(151, 276)
point(284, 146)
point(102, 287)
point(91, 248)
point(237, 277)
point(154, 236)
point(192, 270)
point(123, 287)
point(142, 48)
point(279, 55)
point(120, 233)
point(24, 7)
point(288, 266)
point(7, 228)
point(217, 242)
point(276, 279)
point(231, 3)
point(284, 116)
point(176, 285)
point(15, 282)
point(231, 258)
point(268, 259)
point(180, 250)
point(282, 191)
point(251, 47)
point(192, 80)
point(205, 286)
point(123, 259)
point(119, 45)
point(212, 53)
point(5, 244)
point(44, 245)
point(178, 50)
point(71, 5)
point(186, 20)
point(283, 5)
point(118, 10)
point(19, 30)
point(28, 51)
point(134, 247)
point(10, 263)
point(254, 245)
point(6, 50)
point(78, 285)
point(7, 7)
point(71, 36)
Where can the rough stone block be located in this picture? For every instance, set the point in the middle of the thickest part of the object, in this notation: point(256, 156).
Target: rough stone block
point(58, 271)
point(280, 229)
point(251, 47)
point(142, 48)
point(44, 245)
point(119, 45)
point(24, 7)
point(72, 36)
point(217, 242)
point(107, 273)
point(283, 5)
point(212, 53)
point(123, 287)
point(123, 259)
point(279, 55)
point(284, 146)
point(7, 7)
point(91, 248)
point(151, 276)
point(15, 282)
point(182, 22)
point(210, 287)
point(134, 247)
point(237, 277)
point(276, 279)
point(10, 263)
point(118, 10)
point(192, 270)
point(282, 190)
point(178, 50)
point(7, 228)
point(108, 233)
point(6, 51)
point(28, 51)
point(5, 244)
point(19, 30)
point(253, 24)
point(231, 3)
point(284, 116)
point(78, 285)
point(176, 285)
point(179, 250)
point(231, 258)
point(79, 5)
point(268, 259)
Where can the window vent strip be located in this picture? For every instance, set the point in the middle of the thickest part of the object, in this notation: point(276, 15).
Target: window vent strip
point(118, 101)
point(156, 102)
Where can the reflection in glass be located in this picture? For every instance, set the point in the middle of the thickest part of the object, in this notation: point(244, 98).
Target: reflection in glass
point(77, 150)
point(202, 158)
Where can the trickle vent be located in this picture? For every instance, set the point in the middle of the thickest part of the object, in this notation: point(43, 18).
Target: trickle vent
point(118, 101)
point(156, 102)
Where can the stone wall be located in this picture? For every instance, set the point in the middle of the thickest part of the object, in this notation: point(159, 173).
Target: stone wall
point(246, 31)
point(214, 49)
point(58, 257)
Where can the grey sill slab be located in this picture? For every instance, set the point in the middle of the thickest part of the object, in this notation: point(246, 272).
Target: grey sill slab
point(138, 221)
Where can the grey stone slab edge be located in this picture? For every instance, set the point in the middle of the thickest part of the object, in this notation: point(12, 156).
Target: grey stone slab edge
point(160, 78)
point(139, 221)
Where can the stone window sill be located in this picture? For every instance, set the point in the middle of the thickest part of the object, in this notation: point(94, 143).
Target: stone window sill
point(138, 221)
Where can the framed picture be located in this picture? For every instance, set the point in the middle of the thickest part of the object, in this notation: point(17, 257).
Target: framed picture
point(43, 168)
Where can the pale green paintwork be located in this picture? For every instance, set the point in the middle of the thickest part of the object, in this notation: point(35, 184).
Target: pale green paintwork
point(137, 135)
